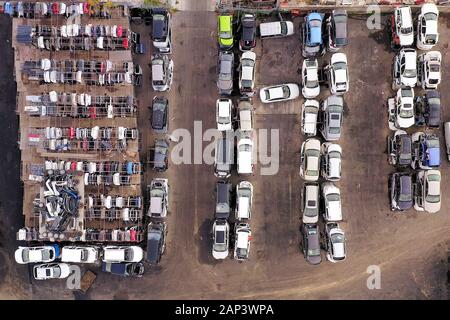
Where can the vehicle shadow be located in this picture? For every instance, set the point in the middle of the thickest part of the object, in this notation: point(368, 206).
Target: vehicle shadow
point(204, 243)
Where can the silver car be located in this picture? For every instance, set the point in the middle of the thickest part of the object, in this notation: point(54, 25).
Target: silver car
point(225, 72)
point(332, 117)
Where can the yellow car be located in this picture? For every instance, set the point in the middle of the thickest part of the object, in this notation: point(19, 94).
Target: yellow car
point(225, 31)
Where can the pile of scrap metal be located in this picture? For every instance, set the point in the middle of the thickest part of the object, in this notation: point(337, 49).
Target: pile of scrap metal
point(58, 203)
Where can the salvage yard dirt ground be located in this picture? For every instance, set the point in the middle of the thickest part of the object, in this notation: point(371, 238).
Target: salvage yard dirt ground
point(411, 248)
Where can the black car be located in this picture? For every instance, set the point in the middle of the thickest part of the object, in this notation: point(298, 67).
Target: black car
point(160, 110)
point(401, 191)
point(248, 36)
point(223, 200)
point(337, 30)
point(400, 149)
point(311, 243)
point(156, 241)
point(433, 108)
point(132, 269)
point(161, 32)
point(160, 155)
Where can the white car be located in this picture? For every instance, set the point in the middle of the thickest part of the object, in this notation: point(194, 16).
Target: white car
point(118, 254)
point(224, 108)
point(245, 115)
point(404, 72)
point(310, 114)
point(310, 159)
point(337, 72)
point(24, 255)
point(310, 78)
point(282, 92)
point(430, 70)
point(427, 27)
point(335, 240)
point(221, 235)
point(404, 26)
point(331, 161)
point(247, 73)
point(80, 254)
point(158, 192)
point(332, 202)
point(428, 191)
point(310, 203)
point(244, 199)
point(404, 108)
point(245, 154)
point(243, 236)
point(51, 271)
point(162, 72)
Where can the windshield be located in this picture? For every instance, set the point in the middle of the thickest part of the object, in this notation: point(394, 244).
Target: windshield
point(286, 91)
point(410, 73)
point(283, 26)
point(406, 112)
point(312, 84)
point(406, 31)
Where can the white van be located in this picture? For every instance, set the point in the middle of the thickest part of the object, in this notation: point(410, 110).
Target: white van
point(80, 254)
point(245, 155)
point(276, 29)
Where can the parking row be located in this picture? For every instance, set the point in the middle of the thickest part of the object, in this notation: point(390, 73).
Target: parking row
point(420, 186)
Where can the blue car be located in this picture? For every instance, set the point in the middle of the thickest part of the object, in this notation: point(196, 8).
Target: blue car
point(312, 36)
point(426, 154)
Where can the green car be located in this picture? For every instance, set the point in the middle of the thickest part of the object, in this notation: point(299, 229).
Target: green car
point(225, 31)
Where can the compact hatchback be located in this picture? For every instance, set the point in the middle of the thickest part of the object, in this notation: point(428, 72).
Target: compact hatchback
point(224, 109)
point(225, 31)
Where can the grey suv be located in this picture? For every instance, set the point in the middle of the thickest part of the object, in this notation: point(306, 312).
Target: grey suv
point(223, 200)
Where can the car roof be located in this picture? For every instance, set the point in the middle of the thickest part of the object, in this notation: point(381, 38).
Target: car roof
point(245, 119)
point(276, 92)
point(225, 22)
point(116, 254)
point(434, 157)
point(405, 184)
point(242, 239)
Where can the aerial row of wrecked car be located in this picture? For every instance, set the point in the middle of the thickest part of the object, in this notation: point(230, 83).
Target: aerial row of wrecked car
point(420, 189)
